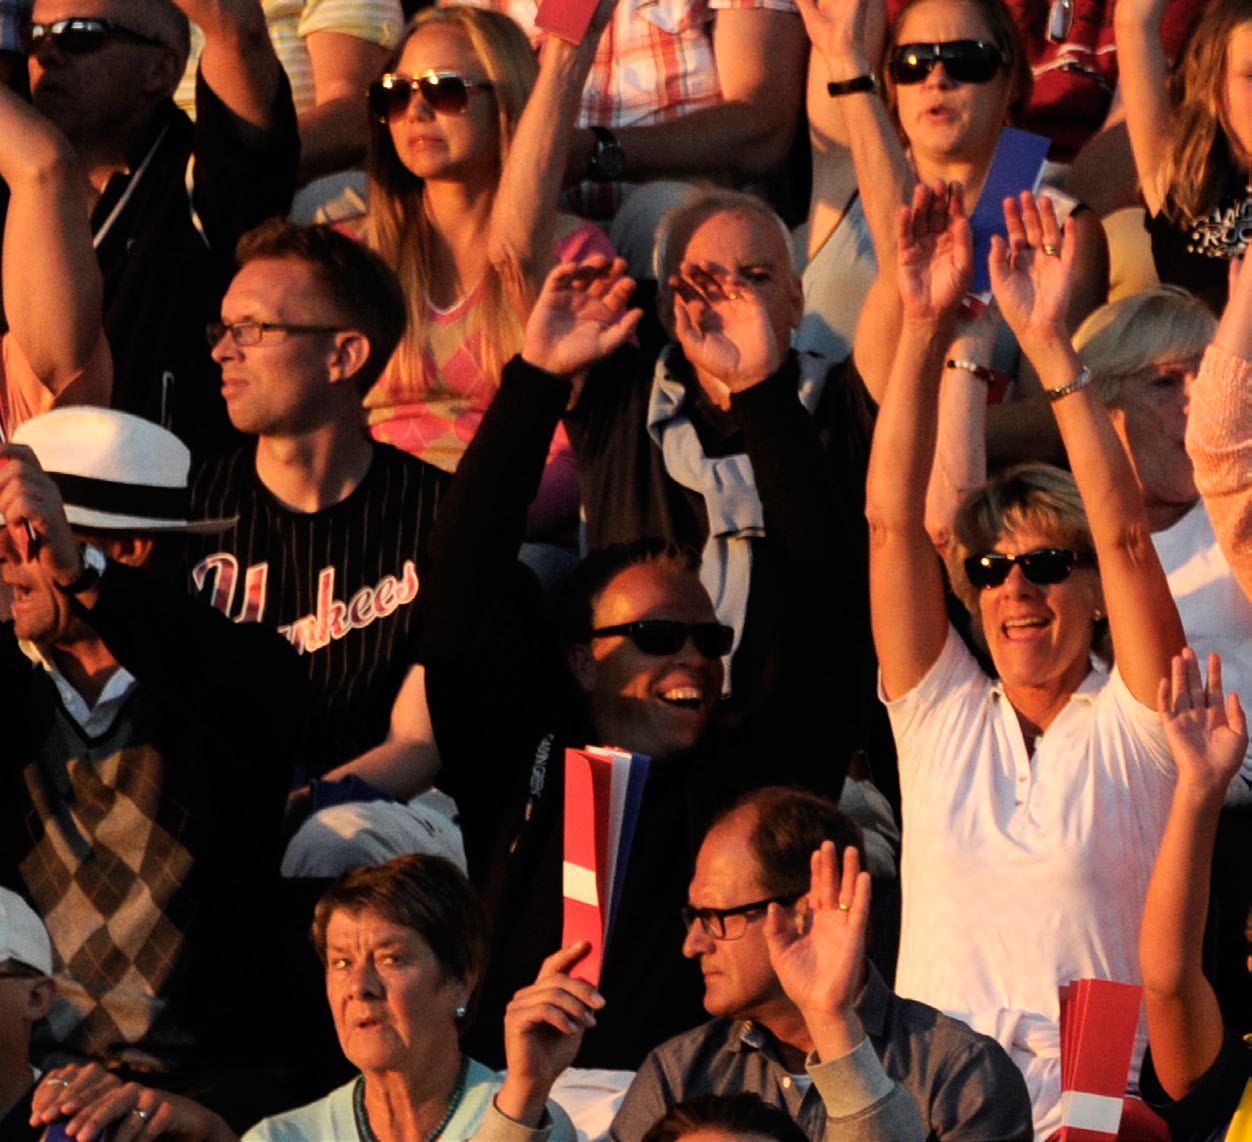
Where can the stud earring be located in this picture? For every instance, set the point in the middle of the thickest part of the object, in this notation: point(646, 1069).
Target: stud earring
point(459, 1012)
point(1097, 615)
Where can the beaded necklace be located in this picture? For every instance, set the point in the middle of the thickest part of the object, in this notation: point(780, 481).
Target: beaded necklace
point(366, 1133)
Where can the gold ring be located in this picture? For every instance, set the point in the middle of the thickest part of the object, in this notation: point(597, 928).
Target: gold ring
point(60, 1082)
point(1052, 251)
point(844, 907)
point(732, 297)
point(143, 1114)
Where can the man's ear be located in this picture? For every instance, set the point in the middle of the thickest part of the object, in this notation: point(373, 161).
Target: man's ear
point(125, 547)
point(39, 998)
point(352, 350)
point(162, 74)
point(582, 665)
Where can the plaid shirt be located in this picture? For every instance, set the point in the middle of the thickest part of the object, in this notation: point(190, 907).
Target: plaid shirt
point(654, 64)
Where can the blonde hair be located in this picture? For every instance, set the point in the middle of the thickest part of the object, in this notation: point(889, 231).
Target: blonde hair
point(397, 225)
point(1135, 334)
point(1027, 497)
point(1200, 158)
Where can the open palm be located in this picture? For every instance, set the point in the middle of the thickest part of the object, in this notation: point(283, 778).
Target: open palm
point(1207, 731)
point(1032, 270)
point(580, 316)
point(934, 250)
point(723, 326)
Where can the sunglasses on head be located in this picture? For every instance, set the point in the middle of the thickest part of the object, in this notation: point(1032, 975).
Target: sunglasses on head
point(81, 35)
point(667, 636)
point(1043, 566)
point(964, 61)
point(444, 92)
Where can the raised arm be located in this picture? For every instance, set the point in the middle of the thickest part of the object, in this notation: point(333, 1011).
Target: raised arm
point(1207, 735)
point(333, 131)
point(52, 284)
point(523, 215)
point(906, 583)
point(759, 54)
point(238, 61)
point(1142, 81)
point(1031, 275)
point(1219, 429)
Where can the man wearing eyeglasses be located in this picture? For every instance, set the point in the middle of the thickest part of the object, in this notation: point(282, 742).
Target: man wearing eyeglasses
point(104, 72)
point(635, 658)
point(329, 546)
point(776, 916)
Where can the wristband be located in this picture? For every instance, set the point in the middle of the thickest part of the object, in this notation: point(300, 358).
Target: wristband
point(973, 368)
point(1079, 383)
point(867, 82)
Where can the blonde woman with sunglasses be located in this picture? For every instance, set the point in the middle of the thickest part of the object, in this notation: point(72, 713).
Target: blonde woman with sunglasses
point(1033, 801)
point(467, 147)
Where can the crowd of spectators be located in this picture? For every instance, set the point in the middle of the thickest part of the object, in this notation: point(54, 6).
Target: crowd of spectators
point(722, 386)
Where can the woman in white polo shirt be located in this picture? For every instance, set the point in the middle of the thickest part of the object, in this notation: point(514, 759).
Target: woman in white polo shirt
point(1033, 801)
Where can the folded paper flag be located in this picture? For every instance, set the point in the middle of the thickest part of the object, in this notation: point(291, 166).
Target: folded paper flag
point(568, 19)
point(1016, 166)
point(603, 790)
point(1098, 1022)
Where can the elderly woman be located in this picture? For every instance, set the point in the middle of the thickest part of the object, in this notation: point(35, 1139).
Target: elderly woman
point(1033, 801)
point(403, 946)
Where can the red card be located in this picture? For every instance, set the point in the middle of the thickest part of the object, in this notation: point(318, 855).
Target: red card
point(568, 19)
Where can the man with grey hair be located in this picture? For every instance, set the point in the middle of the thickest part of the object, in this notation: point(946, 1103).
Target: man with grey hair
point(684, 449)
point(104, 72)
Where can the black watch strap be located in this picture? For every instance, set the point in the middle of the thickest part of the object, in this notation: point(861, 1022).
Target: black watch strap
point(867, 82)
point(94, 563)
point(608, 160)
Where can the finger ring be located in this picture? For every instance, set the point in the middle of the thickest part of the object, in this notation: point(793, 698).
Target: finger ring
point(844, 907)
point(1052, 251)
point(732, 297)
point(59, 1082)
point(143, 1114)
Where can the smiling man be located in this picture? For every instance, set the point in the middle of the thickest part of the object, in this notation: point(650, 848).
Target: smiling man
point(820, 1036)
point(635, 659)
point(329, 541)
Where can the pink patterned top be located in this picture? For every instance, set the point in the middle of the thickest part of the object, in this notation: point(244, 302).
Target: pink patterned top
point(1219, 441)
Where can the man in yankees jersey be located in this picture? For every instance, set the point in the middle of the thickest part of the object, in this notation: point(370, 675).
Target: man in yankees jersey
point(330, 532)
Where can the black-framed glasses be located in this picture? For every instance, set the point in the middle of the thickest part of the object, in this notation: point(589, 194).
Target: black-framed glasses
point(667, 636)
point(247, 333)
point(82, 35)
point(729, 923)
point(1043, 566)
point(964, 61)
point(444, 92)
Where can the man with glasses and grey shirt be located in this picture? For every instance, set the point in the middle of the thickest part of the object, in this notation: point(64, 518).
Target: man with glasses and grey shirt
point(776, 916)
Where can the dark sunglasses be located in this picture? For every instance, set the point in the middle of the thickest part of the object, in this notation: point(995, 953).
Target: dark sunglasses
point(667, 636)
point(964, 61)
point(1043, 566)
point(81, 35)
point(444, 92)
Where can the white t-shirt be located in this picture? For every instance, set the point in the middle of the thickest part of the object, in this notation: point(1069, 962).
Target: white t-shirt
point(1215, 612)
point(1022, 872)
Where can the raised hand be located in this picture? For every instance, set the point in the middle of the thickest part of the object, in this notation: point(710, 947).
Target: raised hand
point(581, 316)
point(1207, 733)
point(35, 514)
point(819, 955)
point(723, 326)
point(934, 250)
point(1032, 271)
point(544, 1026)
point(836, 30)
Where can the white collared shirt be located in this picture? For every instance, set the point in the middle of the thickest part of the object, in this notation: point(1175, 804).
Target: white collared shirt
point(93, 720)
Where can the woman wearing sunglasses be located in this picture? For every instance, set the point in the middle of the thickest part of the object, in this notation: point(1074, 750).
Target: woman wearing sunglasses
point(1033, 800)
point(953, 74)
point(463, 206)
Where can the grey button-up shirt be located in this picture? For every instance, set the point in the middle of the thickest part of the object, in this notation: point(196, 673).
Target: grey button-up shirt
point(963, 1084)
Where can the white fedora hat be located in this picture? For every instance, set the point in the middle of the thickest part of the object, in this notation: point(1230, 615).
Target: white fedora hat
point(115, 471)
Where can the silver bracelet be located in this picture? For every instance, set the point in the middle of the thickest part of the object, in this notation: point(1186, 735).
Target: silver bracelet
point(1079, 383)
